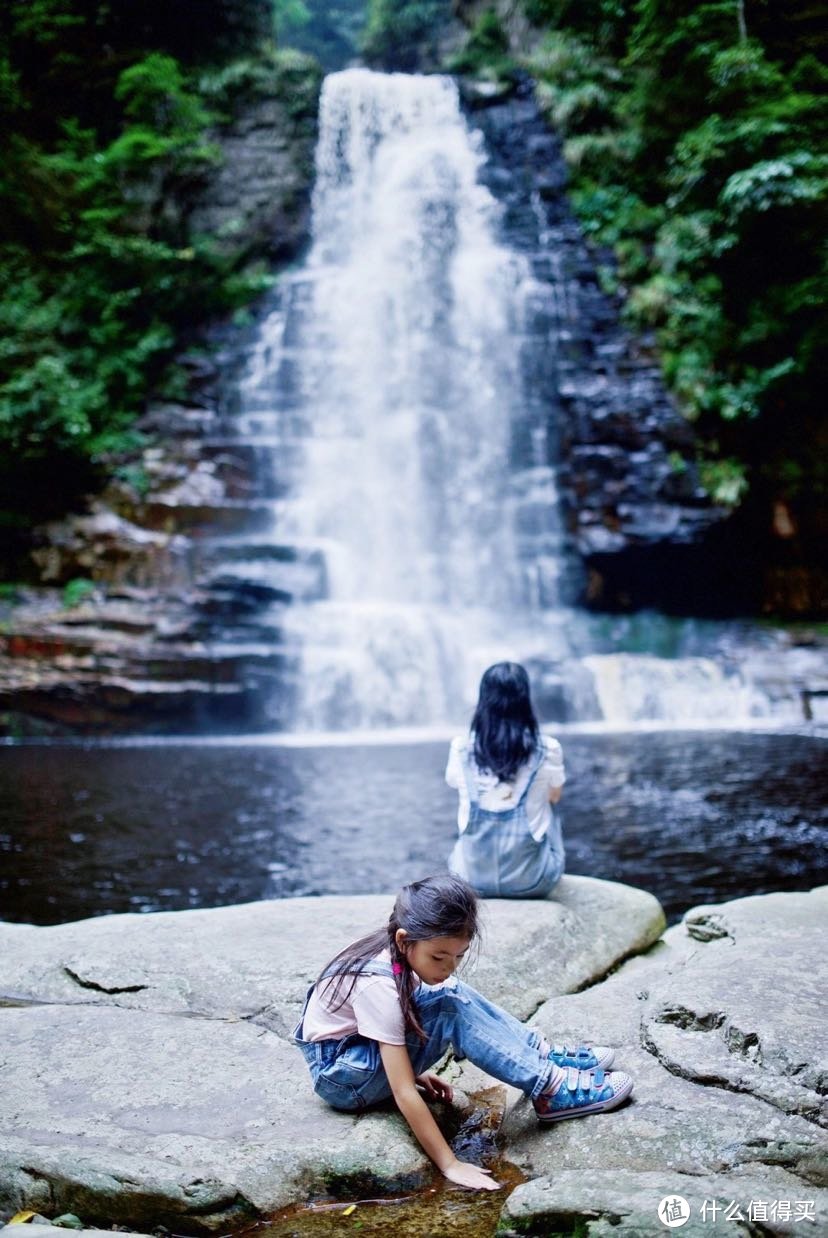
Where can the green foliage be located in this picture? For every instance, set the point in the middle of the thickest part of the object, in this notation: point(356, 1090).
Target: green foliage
point(99, 275)
point(696, 137)
point(329, 30)
point(604, 21)
point(287, 72)
point(397, 31)
point(487, 50)
point(724, 480)
point(77, 591)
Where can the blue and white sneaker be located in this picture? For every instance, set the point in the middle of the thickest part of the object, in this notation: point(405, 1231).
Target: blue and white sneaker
point(582, 1057)
point(582, 1092)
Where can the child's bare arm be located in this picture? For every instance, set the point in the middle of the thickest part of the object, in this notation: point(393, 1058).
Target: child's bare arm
point(400, 1074)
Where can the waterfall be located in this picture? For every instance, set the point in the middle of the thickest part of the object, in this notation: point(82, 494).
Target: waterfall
point(642, 688)
point(396, 360)
point(401, 398)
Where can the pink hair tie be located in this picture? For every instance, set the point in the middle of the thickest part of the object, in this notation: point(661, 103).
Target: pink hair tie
point(397, 969)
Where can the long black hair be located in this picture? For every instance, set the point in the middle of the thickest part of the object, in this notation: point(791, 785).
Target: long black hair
point(439, 906)
point(504, 726)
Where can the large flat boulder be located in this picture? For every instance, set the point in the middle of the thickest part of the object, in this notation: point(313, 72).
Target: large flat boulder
point(257, 960)
point(143, 1119)
point(146, 1074)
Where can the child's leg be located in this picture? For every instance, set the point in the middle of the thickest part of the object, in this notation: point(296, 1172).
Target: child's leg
point(350, 1075)
point(497, 1042)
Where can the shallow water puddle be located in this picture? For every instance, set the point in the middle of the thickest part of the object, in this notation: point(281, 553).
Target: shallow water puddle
point(437, 1210)
point(441, 1210)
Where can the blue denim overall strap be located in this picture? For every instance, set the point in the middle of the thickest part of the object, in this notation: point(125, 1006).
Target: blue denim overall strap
point(373, 967)
point(497, 853)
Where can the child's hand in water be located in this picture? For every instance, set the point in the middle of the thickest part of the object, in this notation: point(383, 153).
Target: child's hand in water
point(472, 1176)
point(434, 1086)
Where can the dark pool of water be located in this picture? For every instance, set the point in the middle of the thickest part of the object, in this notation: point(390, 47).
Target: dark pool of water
point(693, 817)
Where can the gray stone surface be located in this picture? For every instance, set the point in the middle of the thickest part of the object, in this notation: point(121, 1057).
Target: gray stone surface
point(147, 1078)
point(256, 960)
point(152, 1079)
point(201, 1125)
point(257, 200)
point(747, 1024)
point(629, 1206)
point(726, 1096)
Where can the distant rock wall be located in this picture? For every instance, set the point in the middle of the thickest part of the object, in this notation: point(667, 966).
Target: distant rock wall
point(257, 201)
point(132, 651)
point(640, 525)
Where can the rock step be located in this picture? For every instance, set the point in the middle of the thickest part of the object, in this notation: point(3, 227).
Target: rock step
point(216, 550)
point(219, 662)
point(201, 519)
point(118, 704)
point(288, 572)
point(253, 469)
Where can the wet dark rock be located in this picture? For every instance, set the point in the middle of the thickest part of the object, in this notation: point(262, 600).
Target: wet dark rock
point(628, 483)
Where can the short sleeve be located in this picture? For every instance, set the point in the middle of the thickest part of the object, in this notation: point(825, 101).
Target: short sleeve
point(552, 769)
point(377, 1010)
point(454, 768)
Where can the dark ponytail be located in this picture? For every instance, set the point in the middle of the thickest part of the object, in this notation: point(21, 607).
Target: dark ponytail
point(439, 906)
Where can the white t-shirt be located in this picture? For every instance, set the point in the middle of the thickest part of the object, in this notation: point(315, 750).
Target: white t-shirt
point(497, 796)
point(372, 1009)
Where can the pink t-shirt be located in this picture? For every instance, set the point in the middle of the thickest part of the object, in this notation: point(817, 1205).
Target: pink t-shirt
point(372, 1009)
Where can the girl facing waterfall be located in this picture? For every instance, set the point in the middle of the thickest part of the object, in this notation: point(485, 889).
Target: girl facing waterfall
point(508, 777)
point(388, 1007)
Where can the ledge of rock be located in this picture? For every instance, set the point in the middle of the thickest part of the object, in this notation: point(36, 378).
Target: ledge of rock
point(148, 1076)
point(256, 961)
point(121, 1110)
point(720, 1027)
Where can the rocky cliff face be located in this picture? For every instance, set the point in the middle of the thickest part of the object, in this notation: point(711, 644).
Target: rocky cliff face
point(629, 489)
point(127, 646)
point(256, 203)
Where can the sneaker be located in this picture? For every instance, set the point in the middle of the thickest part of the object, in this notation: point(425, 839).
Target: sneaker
point(582, 1057)
point(582, 1092)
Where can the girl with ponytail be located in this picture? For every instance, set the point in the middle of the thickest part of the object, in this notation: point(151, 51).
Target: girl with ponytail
point(388, 1007)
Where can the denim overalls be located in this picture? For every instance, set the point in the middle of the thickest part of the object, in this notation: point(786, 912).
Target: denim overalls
point(348, 1073)
point(496, 852)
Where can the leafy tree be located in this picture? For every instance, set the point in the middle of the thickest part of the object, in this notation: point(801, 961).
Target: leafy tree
point(696, 139)
point(398, 31)
point(330, 30)
point(104, 128)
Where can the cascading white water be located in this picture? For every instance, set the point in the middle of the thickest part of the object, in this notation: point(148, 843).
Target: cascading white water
point(642, 688)
point(405, 370)
point(391, 388)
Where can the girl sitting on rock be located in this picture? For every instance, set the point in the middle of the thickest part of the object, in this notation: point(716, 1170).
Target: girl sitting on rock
point(387, 1008)
point(508, 776)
